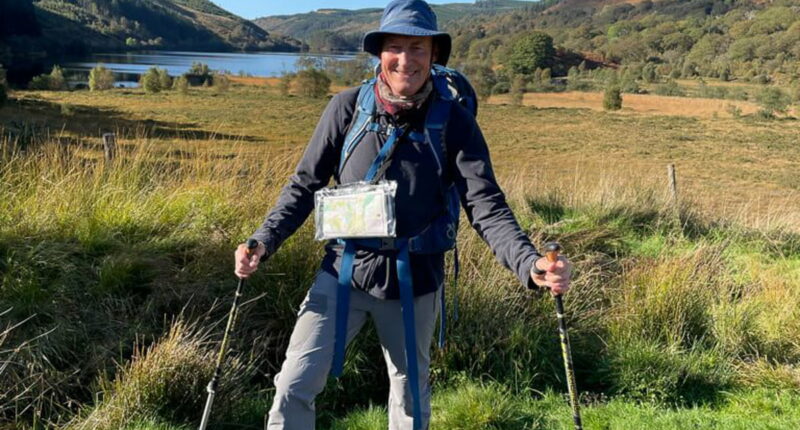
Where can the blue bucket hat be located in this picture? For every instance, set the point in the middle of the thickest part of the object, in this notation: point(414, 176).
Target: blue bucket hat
point(409, 18)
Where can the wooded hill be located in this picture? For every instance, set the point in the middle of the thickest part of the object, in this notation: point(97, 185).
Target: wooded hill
point(751, 39)
point(341, 30)
point(33, 30)
point(747, 39)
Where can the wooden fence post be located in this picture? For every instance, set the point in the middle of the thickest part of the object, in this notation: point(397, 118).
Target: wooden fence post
point(673, 183)
point(673, 190)
point(109, 145)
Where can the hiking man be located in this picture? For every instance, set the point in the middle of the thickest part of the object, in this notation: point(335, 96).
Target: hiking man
point(402, 130)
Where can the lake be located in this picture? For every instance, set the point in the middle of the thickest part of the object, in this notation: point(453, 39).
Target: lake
point(128, 66)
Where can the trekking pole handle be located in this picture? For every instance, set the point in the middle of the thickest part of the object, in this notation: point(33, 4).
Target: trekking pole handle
point(551, 251)
point(252, 244)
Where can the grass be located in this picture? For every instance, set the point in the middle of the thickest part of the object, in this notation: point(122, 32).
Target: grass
point(116, 271)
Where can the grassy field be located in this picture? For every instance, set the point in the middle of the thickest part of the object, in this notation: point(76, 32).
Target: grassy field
point(116, 277)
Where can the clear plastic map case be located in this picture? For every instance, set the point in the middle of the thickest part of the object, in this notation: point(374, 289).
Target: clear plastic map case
point(356, 210)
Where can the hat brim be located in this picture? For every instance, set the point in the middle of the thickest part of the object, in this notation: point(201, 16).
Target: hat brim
point(373, 41)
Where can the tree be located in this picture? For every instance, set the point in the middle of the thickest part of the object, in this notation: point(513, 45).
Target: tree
point(612, 98)
point(100, 78)
point(312, 83)
point(151, 81)
point(531, 51)
point(57, 80)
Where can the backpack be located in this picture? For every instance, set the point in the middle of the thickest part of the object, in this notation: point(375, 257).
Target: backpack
point(439, 236)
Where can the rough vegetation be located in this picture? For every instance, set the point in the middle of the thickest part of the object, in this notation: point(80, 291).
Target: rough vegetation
point(111, 270)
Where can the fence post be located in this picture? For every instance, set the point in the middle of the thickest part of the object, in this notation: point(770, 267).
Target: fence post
point(109, 145)
point(673, 190)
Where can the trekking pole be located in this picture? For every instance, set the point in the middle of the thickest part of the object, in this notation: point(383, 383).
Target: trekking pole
point(212, 386)
point(552, 250)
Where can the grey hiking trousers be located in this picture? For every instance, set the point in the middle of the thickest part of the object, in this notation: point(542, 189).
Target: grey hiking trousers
point(309, 356)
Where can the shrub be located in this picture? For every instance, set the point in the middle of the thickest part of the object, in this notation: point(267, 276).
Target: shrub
point(164, 79)
point(181, 84)
point(501, 88)
point(101, 78)
point(285, 84)
point(612, 98)
point(482, 79)
point(517, 89)
point(312, 83)
point(199, 74)
point(649, 74)
point(151, 81)
point(345, 72)
point(55, 81)
point(773, 99)
point(669, 88)
point(41, 82)
point(221, 82)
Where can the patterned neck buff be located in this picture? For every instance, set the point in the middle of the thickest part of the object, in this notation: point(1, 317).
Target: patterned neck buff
point(394, 104)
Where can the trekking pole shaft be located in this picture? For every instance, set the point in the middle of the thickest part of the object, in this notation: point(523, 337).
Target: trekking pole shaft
point(566, 352)
point(551, 252)
point(212, 385)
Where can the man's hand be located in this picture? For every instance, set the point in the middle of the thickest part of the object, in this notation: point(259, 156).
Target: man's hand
point(247, 263)
point(556, 276)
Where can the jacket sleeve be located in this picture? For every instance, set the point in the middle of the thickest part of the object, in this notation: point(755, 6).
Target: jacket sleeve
point(313, 172)
point(482, 198)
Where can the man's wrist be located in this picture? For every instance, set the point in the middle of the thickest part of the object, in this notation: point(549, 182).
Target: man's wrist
point(535, 270)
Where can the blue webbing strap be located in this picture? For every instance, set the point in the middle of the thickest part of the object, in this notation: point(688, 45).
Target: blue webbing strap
point(343, 307)
point(365, 109)
point(434, 125)
point(346, 270)
point(386, 149)
point(409, 328)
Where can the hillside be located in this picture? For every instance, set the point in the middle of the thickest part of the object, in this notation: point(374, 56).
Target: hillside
point(54, 28)
point(342, 30)
point(742, 39)
point(752, 40)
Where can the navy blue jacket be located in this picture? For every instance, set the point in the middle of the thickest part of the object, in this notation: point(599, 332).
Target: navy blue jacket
point(418, 199)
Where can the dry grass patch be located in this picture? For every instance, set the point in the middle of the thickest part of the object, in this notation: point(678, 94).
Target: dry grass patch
point(636, 103)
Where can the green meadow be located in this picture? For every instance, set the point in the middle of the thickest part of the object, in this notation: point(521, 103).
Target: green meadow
point(117, 276)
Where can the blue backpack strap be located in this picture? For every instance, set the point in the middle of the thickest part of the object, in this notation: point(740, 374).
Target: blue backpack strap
point(343, 307)
point(409, 327)
point(364, 115)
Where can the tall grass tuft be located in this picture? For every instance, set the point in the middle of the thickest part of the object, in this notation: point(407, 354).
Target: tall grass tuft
point(166, 380)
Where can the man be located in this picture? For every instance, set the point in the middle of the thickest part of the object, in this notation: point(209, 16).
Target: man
point(408, 43)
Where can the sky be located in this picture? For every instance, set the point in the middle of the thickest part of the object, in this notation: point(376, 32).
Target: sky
point(257, 8)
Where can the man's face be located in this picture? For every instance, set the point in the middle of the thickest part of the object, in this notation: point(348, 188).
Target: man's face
point(406, 62)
